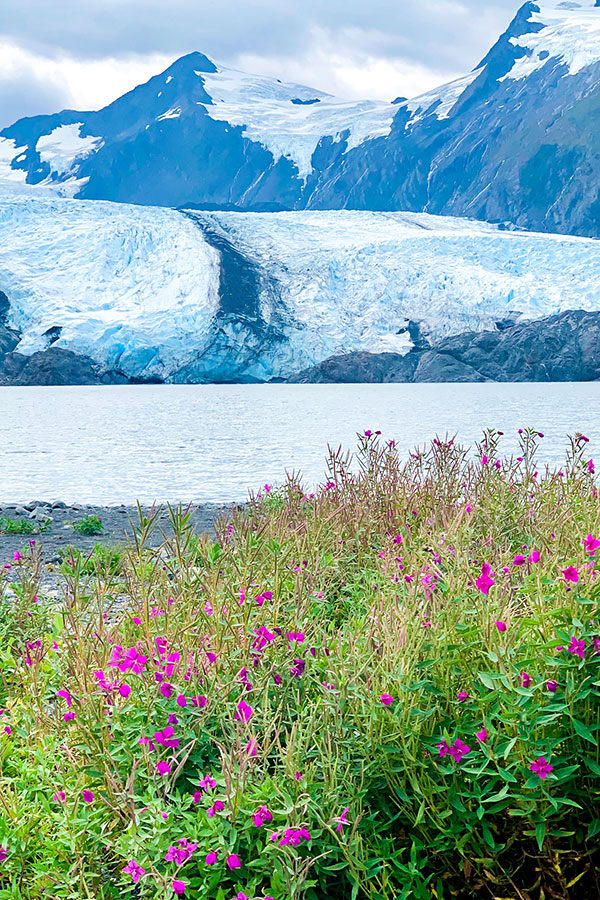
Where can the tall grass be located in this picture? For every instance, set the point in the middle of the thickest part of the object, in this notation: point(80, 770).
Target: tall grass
point(386, 689)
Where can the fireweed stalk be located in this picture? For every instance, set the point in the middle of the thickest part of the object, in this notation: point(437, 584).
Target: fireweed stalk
point(383, 688)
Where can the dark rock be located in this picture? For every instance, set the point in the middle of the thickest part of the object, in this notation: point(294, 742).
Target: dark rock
point(564, 347)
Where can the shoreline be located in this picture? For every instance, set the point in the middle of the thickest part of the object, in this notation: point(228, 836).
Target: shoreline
point(116, 520)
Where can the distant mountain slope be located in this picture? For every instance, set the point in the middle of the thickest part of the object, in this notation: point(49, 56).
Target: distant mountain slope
point(515, 140)
point(153, 293)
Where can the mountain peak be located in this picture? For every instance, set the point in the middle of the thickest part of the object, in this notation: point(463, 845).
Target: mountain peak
point(195, 60)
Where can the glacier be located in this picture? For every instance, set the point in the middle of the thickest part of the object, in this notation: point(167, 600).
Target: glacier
point(204, 296)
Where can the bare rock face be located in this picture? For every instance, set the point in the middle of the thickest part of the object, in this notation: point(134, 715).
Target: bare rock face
point(565, 347)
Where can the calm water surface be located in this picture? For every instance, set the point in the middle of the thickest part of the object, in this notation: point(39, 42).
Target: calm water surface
point(207, 443)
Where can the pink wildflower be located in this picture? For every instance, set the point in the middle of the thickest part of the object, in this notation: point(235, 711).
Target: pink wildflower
point(485, 581)
point(571, 574)
point(591, 544)
point(341, 820)
point(211, 858)
point(244, 711)
point(463, 696)
point(163, 768)
point(88, 796)
point(577, 647)
point(387, 699)
point(134, 870)
point(501, 626)
point(178, 887)
point(234, 862)
point(541, 767)
point(481, 735)
point(519, 560)
point(552, 686)
point(525, 679)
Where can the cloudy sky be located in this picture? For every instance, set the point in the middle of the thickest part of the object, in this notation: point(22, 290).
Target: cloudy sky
point(85, 53)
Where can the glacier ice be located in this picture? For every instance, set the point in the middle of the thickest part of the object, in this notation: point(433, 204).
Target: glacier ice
point(141, 289)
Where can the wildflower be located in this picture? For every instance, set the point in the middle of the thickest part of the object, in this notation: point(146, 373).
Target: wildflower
point(3, 853)
point(181, 701)
point(130, 659)
point(261, 816)
point(485, 581)
point(552, 686)
point(591, 467)
point(181, 853)
point(88, 796)
point(166, 689)
point(541, 767)
point(501, 626)
point(387, 699)
point(571, 574)
point(65, 695)
point(69, 716)
point(294, 837)
point(296, 636)
point(134, 870)
point(234, 862)
point(444, 749)
point(341, 820)
point(525, 679)
point(218, 806)
point(208, 783)
point(519, 560)
point(481, 735)
point(199, 702)
point(59, 797)
point(534, 556)
point(124, 690)
point(463, 696)
point(577, 647)
point(165, 737)
point(163, 768)
point(211, 858)
point(458, 750)
point(178, 887)
point(298, 668)
point(297, 776)
point(244, 712)
point(591, 544)
point(251, 747)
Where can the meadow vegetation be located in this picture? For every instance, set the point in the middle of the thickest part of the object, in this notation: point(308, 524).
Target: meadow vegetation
point(385, 689)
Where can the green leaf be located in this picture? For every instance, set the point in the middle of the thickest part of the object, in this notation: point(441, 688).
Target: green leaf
point(487, 680)
point(594, 828)
point(592, 766)
point(584, 732)
point(540, 834)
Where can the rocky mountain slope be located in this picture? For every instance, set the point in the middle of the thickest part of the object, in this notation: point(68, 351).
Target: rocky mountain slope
point(565, 347)
point(514, 140)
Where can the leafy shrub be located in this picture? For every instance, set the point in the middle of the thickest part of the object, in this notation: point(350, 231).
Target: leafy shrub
point(386, 689)
point(16, 526)
point(89, 525)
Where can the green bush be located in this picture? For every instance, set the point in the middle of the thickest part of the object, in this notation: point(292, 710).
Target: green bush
point(89, 525)
point(387, 689)
point(16, 526)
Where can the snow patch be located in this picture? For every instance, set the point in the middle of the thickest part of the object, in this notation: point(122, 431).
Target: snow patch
point(263, 107)
point(8, 153)
point(170, 114)
point(64, 146)
point(571, 34)
point(446, 98)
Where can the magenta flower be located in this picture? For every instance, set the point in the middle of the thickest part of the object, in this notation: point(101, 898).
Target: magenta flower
point(295, 636)
point(571, 574)
point(234, 862)
point(244, 711)
point(541, 767)
point(3, 853)
point(208, 783)
point(294, 837)
point(262, 816)
point(577, 647)
point(178, 887)
point(130, 659)
point(211, 858)
point(387, 699)
point(552, 686)
point(163, 768)
point(463, 696)
point(519, 560)
point(166, 689)
point(181, 701)
point(534, 556)
point(59, 797)
point(591, 544)
point(481, 735)
point(124, 690)
point(165, 737)
point(341, 820)
point(501, 626)
point(458, 750)
point(218, 806)
point(88, 796)
point(181, 853)
point(525, 680)
point(69, 716)
point(65, 695)
point(134, 870)
point(485, 581)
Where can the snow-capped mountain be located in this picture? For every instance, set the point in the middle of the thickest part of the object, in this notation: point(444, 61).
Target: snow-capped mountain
point(224, 296)
point(514, 140)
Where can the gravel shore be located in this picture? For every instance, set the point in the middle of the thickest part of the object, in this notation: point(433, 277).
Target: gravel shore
point(117, 522)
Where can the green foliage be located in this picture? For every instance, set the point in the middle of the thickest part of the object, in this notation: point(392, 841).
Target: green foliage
point(320, 663)
point(16, 526)
point(89, 525)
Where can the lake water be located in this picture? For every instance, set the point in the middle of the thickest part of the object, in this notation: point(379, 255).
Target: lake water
point(203, 443)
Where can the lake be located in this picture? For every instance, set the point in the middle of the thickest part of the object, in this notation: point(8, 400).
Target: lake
point(210, 443)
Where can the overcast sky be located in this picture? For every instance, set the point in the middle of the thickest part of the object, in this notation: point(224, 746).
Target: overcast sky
point(85, 53)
